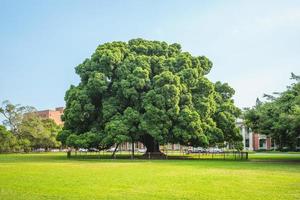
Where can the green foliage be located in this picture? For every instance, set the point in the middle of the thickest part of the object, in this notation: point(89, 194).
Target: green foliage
point(279, 117)
point(238, 145)
point(13, 114)
point(86, 140)
point(148, 90)
point(226, 113)
point(27, 130)
point(23, 145)
point(41, 133)
point(8, 141)
point(62, 136)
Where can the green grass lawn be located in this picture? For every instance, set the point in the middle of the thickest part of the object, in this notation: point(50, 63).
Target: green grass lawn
point(52, 176)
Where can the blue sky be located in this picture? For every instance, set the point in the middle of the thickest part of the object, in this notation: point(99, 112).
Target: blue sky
point(254, 45)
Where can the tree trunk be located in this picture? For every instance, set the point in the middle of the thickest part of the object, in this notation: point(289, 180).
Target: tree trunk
point(132, 149)
point(152, 146)
point(113, 155)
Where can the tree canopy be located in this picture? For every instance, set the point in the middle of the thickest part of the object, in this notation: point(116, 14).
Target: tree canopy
point(7, 140)
point(13, 114)
point(147, 91)
point(26, 130)
point(279, 116)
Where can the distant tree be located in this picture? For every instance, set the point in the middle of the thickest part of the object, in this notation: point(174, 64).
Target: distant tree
point(13, 114)
point(8, 141)
point(258, 102)
point(147, 91)
point(295, 77)
point(279, 117)
point(29, 130)
point(41, 133)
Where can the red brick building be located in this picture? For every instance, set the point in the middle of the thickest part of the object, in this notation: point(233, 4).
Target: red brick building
point(254, 141)
point(262, 142)
point(52, 114)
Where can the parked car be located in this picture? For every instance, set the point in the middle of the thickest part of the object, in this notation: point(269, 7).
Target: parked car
point(93, 150)
point(196, 150)
point(83, 150)
point(215, 150)
point(40, 150)
point(142, 150)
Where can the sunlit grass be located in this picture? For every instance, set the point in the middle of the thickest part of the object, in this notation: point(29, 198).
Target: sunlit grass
point(53, 176)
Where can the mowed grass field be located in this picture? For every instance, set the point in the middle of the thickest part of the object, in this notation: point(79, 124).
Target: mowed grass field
point(52, 176)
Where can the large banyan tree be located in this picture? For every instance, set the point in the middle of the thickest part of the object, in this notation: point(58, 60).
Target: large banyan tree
point(149, 92)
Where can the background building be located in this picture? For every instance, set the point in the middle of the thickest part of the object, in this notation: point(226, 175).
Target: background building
point(52, 114)
point(254, 141)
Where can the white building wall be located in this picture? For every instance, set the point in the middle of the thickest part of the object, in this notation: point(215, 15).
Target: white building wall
point(246, 134)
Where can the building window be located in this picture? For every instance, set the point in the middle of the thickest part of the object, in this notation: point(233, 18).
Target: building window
point(262, 143)
point(247, 143)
